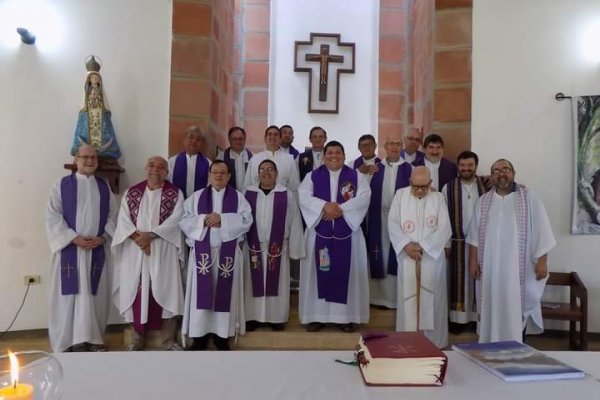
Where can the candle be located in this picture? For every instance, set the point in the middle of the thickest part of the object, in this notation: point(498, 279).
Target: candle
point(16, 391)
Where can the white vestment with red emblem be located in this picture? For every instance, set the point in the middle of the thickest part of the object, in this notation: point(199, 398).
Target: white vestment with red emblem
point(424, 221)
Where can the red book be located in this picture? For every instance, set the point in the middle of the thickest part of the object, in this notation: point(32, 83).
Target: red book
point(400, 359)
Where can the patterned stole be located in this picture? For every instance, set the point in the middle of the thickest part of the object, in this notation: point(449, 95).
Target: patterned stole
point(204, 261)
point(69, 276)
point(275, 246)
point(180, 172)
point(168, 199)
point(374, 221)
point(360, 161)
point(522, 216)
point(333, 243)
point(231, 163)
point(456, 272)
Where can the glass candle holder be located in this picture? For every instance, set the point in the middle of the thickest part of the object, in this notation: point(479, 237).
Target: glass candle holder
point(37, 368)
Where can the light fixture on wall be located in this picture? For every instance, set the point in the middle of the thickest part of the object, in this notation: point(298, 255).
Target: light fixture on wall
point(26, 36)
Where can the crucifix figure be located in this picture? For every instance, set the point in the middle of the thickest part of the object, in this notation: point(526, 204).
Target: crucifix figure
point(324, 58)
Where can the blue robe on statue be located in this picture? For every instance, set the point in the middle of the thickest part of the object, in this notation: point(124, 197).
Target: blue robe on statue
point(109, 146)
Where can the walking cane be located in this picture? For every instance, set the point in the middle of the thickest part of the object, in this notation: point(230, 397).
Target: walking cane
point(418, 275)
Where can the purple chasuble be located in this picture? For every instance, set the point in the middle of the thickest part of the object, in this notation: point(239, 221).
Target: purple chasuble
point(204, 262)
point(374, 221)
point(69, 276)
point(333, 243)
point(274, 248)
point(231, 164)
point(180, 172)
point(360, 161)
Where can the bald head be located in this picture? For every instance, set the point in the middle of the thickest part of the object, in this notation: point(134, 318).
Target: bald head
point(86, 159)
point(420, 181)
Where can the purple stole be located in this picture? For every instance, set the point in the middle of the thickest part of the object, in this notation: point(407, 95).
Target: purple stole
point(456, 270)
point(231, 163)
point(69, 276)
point(204, 262)
point(374, 221)
point(168, 199)
point(333, 243)
point(360, 161)
point(180, 172)
point(274, 249)
point(294, 152)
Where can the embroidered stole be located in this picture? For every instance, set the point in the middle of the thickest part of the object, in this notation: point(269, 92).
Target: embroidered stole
point(69, 275)
point(274, 249)
point(457, 268)
point(522, 216)
point(221, 300)
point(333, 243)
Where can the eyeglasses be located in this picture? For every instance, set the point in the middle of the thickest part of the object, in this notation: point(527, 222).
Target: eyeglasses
point(505, 170)
point(266, 169)
point(422, 187)
point(88, 158)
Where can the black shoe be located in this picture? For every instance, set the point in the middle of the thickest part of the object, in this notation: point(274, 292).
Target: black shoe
point(251, 326)
point(199, 343)
point(314, 327)
point(221, 343)
point(348, 328)
point(277, 327)
point(455, 328)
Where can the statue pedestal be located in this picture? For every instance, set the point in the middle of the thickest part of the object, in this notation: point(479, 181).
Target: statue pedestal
point(108, 168)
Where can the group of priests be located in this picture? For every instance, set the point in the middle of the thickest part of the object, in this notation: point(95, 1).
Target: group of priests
point(213, 241)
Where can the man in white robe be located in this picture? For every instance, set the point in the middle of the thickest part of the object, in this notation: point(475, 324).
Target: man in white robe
point(188, 170)
point(510, 237)
point(148, 252)
point(461, 195)
point(393, 174)
point(81, 219)
point(237, 156)
point(214, 222)
point(274, 237)
point(334, 282)
point(287, 168)
point(419, 228)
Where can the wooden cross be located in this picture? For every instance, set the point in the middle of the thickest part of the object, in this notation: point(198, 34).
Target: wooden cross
point(324, 58)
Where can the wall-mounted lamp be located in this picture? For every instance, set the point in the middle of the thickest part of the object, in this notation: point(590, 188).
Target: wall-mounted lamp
point(26, 36)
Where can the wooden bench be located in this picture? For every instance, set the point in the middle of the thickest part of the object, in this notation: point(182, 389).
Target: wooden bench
point(574, 311)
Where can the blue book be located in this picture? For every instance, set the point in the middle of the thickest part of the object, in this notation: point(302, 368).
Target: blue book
point(517, 362)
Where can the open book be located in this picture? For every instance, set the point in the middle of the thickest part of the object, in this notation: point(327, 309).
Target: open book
point(517, 362)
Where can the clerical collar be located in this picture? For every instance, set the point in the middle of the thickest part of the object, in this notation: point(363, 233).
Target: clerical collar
point(218, 190)
point(394, 163)
point(433, 163)
point(79, 174)
point(266, 191)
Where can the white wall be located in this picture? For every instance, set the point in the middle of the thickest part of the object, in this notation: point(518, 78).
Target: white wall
point(41, 91)
point(523, 53)
point(357, 21)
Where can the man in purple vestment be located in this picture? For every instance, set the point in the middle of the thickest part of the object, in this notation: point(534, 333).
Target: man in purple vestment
point(188, 170)
point(80, 221)
point(441, 169)
point(287, 138)
point(368, 160)
point(412, 143)
point(236, 156)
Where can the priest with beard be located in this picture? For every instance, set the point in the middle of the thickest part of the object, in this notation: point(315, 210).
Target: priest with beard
point(334, 282)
